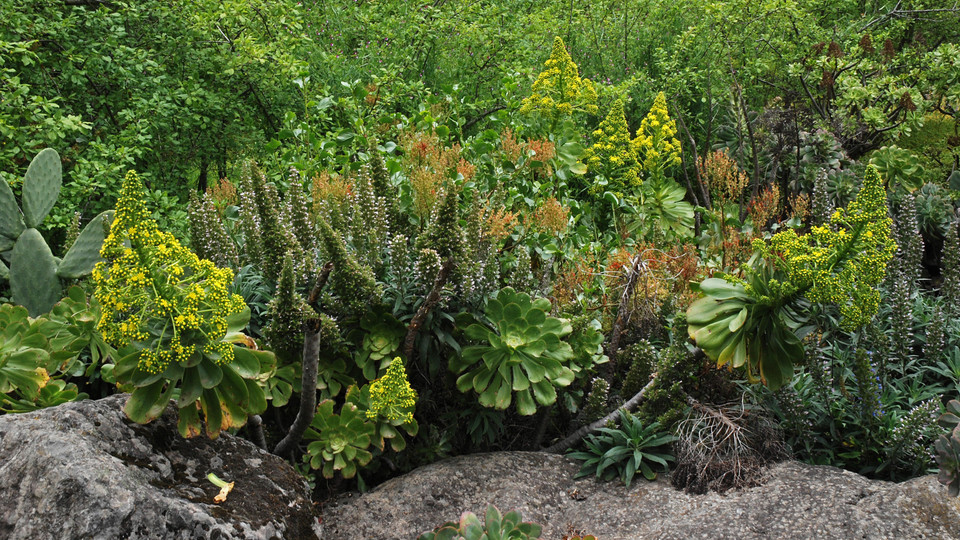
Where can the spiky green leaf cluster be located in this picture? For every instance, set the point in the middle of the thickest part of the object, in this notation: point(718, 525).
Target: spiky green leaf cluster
point(287, 312)
point(352, 284)
point(622, 452)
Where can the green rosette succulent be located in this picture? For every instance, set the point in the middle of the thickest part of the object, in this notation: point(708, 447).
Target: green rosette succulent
point(339, 441)
point(522, 353)
point(740, 329)
point(32, 351)
point(382, 336)
point(509, 526)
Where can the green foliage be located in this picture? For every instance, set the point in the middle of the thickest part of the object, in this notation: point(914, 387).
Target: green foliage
point(495, 526)
point(34, 274)
point(116, 84)
point(621, 452)
point(522, 353)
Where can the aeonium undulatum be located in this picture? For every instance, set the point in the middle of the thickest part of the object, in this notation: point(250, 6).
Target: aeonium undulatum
point(175, 325)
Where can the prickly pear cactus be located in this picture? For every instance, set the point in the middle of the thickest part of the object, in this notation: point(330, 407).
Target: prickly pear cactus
point(33, 272)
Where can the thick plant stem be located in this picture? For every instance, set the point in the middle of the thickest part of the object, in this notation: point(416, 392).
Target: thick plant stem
point(308, 396)
point(542, 423)
point(431, 300)
point(314, 298)
point(256, 431)
point(623, 314)
point(311, 359)
point(579, 434)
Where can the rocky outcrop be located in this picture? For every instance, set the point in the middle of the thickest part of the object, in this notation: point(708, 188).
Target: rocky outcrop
point(795, 500)
point(82, 470)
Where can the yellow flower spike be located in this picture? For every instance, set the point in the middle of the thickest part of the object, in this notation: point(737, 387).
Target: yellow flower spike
point(656, 144)
point(559, 89)
point(612, 153)
point(391, 395)
point(158, 282)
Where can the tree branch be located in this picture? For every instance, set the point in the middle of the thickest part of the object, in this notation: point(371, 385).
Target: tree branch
point(311, 360)
point(308, 394)
point(579, 434)
point(431, 300)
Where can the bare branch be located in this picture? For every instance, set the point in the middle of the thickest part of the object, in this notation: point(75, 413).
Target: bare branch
point(579, 434)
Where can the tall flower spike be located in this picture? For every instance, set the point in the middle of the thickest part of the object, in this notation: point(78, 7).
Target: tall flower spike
point(150, 286)
point(842, 261)
point(656, 141)
point(613, 154)
point(559, 90)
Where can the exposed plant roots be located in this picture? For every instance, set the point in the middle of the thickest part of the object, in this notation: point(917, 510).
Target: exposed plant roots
point(724, 447)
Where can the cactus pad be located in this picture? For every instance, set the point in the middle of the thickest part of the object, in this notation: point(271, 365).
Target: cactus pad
point(41, 186)
point(85, 252)
point(11, 222)
point(33, 274)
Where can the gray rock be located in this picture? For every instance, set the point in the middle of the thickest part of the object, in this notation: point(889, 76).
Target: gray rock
point(82, 470)
point(795, 500)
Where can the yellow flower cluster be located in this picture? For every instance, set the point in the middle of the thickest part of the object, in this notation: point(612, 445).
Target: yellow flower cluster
point(841, 263)
point(157, 293)
point(391, 396)
point(612, 153)
point(559, 89)
point(656, 140)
